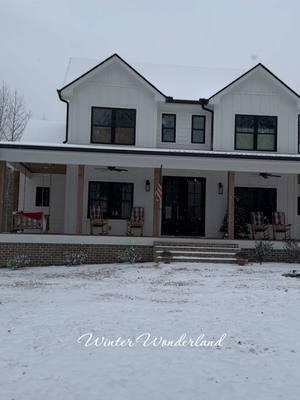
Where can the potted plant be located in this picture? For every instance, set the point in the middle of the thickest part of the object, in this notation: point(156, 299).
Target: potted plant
point(166, 257)
point(242, 258)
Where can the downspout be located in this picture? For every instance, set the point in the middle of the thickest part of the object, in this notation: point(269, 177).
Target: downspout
point(204, 103)
point(67, 116)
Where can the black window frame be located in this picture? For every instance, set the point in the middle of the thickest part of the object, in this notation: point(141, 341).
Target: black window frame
point(113, 125)
point(195, 129)
point(112, 199)
point(163, 128)
point(255, 133)
point(42, 196)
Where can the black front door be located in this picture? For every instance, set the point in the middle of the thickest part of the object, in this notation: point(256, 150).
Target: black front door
point(183, 206)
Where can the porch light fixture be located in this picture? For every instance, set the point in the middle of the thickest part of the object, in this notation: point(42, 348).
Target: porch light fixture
point(147, 185)
point(220, 188)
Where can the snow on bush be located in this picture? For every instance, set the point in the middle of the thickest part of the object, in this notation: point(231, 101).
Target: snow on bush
point(129, 255)
point(75, 258)
point(263, 250)
point(291, 246)
point(18, 262)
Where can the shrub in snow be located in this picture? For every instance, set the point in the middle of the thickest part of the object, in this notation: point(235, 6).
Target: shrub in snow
point(18, 262)
point(263, 250)
point(75, 258)
point(291, 246)
point(129, 256)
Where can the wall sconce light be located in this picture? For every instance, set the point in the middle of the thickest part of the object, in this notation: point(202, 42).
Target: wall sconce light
point(147, 185)
point(220, 188)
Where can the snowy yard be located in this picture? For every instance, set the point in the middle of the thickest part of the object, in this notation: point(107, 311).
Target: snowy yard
point(43, 311)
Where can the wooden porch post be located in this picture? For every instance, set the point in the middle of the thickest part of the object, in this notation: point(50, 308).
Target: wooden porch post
point(156, 204)
point(80, 189)
point(230, 204)
point(2, 194)
point(15, 190)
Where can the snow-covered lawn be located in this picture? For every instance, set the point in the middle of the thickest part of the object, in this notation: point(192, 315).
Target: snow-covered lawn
point(43, 311)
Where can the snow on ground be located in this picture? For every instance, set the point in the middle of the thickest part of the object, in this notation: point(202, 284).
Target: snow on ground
point(43, 311)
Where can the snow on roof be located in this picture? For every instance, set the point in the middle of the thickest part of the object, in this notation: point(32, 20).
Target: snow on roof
point(43, 131)
point(178, 81)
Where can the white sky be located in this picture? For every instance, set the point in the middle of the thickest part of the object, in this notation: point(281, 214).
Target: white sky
point(37, 38)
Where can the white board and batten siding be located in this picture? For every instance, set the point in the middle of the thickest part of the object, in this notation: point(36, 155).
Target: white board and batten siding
point(113, 87)
point(257, 95)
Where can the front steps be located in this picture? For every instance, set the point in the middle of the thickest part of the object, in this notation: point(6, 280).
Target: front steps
point(209, 252)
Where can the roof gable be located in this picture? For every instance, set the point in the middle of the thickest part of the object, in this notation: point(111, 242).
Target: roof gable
point(114, 58)
point(247, 75)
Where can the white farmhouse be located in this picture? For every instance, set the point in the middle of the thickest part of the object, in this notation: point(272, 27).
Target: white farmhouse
point(175, 153)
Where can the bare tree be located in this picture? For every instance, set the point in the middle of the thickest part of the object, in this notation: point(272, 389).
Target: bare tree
point(13, 114)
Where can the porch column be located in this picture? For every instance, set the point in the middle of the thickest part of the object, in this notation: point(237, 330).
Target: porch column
point(230, 204)
point(71, 194)
point(156, 204)
point(80, 188)
point(2, 194)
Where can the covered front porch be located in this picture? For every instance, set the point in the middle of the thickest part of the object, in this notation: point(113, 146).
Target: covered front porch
point(199, 190)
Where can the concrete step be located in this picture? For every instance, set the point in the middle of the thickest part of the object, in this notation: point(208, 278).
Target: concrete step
point(202, 260)
point(196, 245)
point(184, 249)
point(215, 252)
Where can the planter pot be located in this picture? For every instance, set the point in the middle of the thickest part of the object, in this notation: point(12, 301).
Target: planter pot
point(242, 261)
point(167, 260)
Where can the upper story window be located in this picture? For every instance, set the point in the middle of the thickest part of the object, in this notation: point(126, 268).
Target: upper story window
point(255, 132)
point(198, 129)
point(113, 125)
point(168, 128)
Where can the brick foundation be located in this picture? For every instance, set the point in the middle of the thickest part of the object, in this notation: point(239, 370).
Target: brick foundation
point(55, 254)
point(276, 256)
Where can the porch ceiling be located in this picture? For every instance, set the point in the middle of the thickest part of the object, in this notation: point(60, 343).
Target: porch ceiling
point(45, 168)
point(62, 155)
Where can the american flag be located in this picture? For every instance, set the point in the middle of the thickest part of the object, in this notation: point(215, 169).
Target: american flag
point(158, 189)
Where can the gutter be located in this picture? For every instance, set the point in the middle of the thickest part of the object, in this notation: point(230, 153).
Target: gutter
point(204, 103)
point(151, 152)
point(67, 115)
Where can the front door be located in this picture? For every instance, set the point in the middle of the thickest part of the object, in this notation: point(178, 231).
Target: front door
point(183, 206)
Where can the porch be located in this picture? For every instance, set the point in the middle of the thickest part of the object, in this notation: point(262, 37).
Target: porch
point(196, 197)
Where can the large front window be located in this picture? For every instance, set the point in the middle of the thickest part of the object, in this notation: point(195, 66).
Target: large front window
point(256, 199)
point(114, 198)
point(255, 132)
point(113, 125)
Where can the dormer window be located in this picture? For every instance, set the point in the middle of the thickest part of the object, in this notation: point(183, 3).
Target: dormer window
point(113, 126)
point(255, 132)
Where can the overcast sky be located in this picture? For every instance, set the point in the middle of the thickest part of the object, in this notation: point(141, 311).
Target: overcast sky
point(39, 36)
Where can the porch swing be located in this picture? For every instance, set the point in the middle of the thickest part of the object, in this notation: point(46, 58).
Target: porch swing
point(31, 220)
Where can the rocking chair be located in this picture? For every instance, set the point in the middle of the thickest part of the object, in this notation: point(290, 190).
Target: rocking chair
point(97, 220)
point(258, 225)
point(136, 220)
point(279, 225)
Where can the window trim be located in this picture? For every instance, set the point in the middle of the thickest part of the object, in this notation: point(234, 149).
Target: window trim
point(162, 128)
point(43, 196)
point(110, 182)
point(113, 127)
point(255, 134)
point(204, 128)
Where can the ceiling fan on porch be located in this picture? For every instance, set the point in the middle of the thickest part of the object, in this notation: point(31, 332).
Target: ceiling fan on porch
point(112, 169)
point(266, 175)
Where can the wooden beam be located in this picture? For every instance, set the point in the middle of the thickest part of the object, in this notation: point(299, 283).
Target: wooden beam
point(156, 204)
point(230, 204)
point(80, 189)
point(2, 194)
